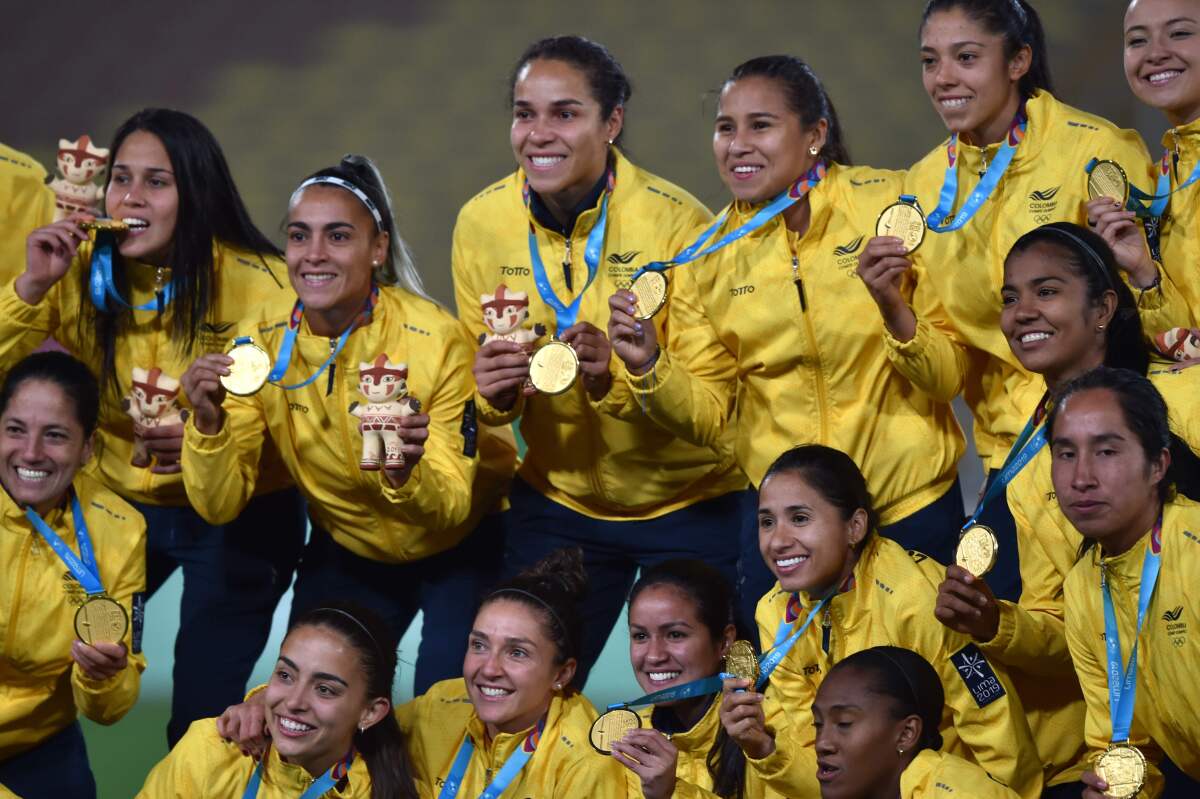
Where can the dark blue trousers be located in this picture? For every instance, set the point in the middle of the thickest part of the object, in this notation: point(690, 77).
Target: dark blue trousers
point(614, 551)
point(56, 768)
point(233, 578)
point(446, 587)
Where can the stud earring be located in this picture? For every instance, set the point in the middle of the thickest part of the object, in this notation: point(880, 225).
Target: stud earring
point(610, 141)
point(899, 750)
point(1099, 327)
point(813, 150)
point(558, 686)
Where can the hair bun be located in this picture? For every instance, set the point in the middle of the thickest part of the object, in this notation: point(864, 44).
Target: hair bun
point(561, 571)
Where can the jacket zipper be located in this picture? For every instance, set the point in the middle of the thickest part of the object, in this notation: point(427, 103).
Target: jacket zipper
point(332, 367)
point(567, 264)
point(826, 631)
point(799, 283)
point(818, 371)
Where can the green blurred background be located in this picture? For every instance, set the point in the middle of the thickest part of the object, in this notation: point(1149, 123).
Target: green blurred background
point(422, 88)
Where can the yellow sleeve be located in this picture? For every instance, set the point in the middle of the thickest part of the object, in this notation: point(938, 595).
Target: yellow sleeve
point(107, 701)
point(184, 772)
point(1031, 636)
point(935, 359)
point(1161, 307)
point(221, 470)
point(22, 326)
point(791, 770)
point(5, 793)
point(590, 777)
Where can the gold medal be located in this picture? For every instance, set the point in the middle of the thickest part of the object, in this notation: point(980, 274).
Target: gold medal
point(553, 367)
point(612, 726)
point(741, 662)
point(100, 618)
point(650, 288)
point(904, 221)
point(1107, 179)
point(977, 550)
point(1123, 767)
point(115, 225)
point(249, 370)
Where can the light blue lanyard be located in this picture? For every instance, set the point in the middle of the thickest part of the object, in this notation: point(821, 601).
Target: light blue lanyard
point(784, 642)
point(565, 315)
point(1122, 683)
point(83, 568)
point(319, 787)
point(1158, 201)
point(1028, 444)
point(508, 772)
point(786, 199)
point(701, 687)
point(987, 184)
point(279, 369)
point(100, 279)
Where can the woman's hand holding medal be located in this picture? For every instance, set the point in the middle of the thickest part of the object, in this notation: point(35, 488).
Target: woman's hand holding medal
point(649, 754)
point(882, 266)
point(744, 720)
point(502, 373)
point(635, 342)
point(967, 605)
point(202, 385)
point(595, 352)
point(101, 660)
point(1122, 231)
point(49, 252)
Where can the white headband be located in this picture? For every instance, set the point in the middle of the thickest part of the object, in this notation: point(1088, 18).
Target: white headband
point(350, 187)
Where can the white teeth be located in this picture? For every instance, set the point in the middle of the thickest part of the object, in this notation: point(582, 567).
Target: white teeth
point(663, 676)
point(486, 691)
point(1163, 77)
point(32, 474)
point(955, 102)
point(745, 170)
point(786, 562)
point(321, 278)
point(1028, 337)
point(293, 726)
point(546, 160)
point(135, 223)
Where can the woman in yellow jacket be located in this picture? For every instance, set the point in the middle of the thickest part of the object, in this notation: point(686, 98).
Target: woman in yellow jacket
point(328, 710)
point(1066, 311)
point(764, 323)
point(841, 589)
point(137, 310)
point(370, 409)
point(74, 581)
point(883, 700)
point(26, 203)
point(984, 66)
point(1113, 476)
point(536, 256)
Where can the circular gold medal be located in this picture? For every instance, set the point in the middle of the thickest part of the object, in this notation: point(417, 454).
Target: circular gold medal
point(904, 221)
point(249, 370)
point(100, 618)
point(115, 225)
point(612, 726)
point(741, 662)
point(1107, 179)
point(553, 367)
point(1123, 767)
point(650, 288)
point(977, 550)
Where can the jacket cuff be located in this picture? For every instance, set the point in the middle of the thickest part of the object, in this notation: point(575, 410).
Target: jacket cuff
point(203, 443)
point(16, 309)
point(1005, 632)
point(915, 347)
point(645, 385)
point(492, 416)
point(403, 494)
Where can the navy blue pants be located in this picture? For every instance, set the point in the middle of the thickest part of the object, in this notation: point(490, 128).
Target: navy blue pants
point(446, 587)
point(613, 551)
point(233, 578)
point(932, 530)
point(56, 768)
point(1005, 577)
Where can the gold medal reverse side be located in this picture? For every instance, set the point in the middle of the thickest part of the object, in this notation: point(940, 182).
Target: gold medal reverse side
point(741, 662)
point(553, 367)
point(115, 225)
point(1108, 179)
point(904, 221)
point(612, 726)
point(977, 550)
point(249, 370)
point(650, 288)
point(1123, 767)
point(99, 619)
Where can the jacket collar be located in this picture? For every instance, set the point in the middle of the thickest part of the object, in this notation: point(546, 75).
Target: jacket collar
point(1186, 140)
point(1041, 111)
point(821, 200)
point(699, 737)
point(919, 771)
point(293, 780)
point(506, 743)
point(15, 519)
point(588, 210)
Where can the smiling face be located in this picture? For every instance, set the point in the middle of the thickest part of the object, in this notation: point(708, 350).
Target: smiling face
point(760, 144)
point(858, 738)
point(668, 642)
point(317, 697)
point(803, 538)
point(558, 135)
point(143, 192)
point(511, 666)
point(1105, 484)
point(973, 86)
point(1050, 324)
point(42, 445)
point(1162, 56)
point(332, 248)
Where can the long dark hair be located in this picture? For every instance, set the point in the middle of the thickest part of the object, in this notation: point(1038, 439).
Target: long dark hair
point(1018, 23)
point(552, 588)
point(210, 210)
point(905, 678)
point(1090, 257)
point(70, 374)
point(806, 97)
point(605, 76)
point(835, 476)
point(712, 595)
point(381, 745)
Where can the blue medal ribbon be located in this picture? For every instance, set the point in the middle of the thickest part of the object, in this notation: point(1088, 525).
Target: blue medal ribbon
point(279, 369)
point(701, 687)
point(987, 184)
point(82, 567)
point(784, 642)
point(565, 315)
point(1028, 444)
point(508, 772)
point(100, 279)
point(786, 199)
point(1154, 205)
point(320, 786)
point(1122, 683)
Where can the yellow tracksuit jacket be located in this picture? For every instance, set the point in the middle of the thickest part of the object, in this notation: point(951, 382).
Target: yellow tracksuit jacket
point(939, 775)
point(959, 274)
point(891, 603)
point(1031, 639)
point(245, 283)
point(26, 203)
point(320, 443)
point(41, 687)
point(580, 454)
point(792, 357)
point(1164, 716)
point(1180, 242)
point(202, 765)
point(564, 764)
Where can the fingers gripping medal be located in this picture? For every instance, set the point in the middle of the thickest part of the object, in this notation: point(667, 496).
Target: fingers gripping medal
point(612, 726)
point(249, 370)
point(977, 550)
point(1108, 179)
point(100, 619)
point(741, 662)
point(650, 289)
point(1123, 767)
point(554, 367)
point(905, 221)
